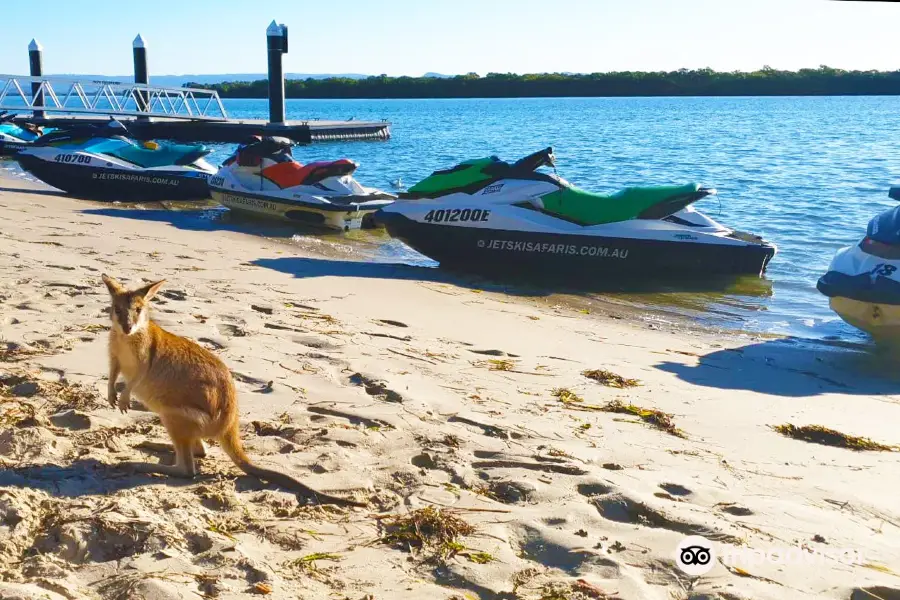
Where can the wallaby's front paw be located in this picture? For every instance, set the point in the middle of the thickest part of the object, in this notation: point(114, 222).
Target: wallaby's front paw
point(124, 402)
point(111, 398)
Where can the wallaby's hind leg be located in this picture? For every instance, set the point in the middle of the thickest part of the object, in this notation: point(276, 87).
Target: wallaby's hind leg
point(184, 437)
point(199, 449)
point(184, 462)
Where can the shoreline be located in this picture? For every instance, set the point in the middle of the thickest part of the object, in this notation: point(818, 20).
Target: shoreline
point(676, 314)
point(364, 380)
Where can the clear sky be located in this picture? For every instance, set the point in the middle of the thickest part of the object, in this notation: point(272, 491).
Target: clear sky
point(411, 37)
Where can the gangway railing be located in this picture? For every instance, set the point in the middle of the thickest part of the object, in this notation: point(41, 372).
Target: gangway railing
point(102, 97)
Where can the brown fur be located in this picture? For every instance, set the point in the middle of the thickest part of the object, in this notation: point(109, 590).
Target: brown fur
point(190, 389)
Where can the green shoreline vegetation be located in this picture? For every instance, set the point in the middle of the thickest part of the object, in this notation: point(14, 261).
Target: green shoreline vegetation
point(824, 81)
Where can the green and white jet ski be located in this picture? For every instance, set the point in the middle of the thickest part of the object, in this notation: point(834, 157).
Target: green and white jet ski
point(490, 214)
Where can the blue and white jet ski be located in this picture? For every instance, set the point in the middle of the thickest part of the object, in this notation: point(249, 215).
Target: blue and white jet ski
point(863, 281)
point(106, 163)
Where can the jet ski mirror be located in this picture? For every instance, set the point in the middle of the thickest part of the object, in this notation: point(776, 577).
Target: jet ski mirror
point(116, 127)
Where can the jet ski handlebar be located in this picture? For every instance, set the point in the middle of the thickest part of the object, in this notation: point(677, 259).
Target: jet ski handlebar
point(536, 160)
point(265, 146)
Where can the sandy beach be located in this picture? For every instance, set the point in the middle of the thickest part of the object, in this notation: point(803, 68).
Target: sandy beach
point(407, 392)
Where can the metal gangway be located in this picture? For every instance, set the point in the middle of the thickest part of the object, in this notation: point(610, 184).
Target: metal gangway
point(101, 97)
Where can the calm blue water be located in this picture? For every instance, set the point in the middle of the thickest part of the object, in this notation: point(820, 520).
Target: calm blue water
point(805, 173)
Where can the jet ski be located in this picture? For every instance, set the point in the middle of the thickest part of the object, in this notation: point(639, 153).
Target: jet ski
point(863, 281)
point(103, 162)
point(491, 214)
point(16, 136)
point(261, 178)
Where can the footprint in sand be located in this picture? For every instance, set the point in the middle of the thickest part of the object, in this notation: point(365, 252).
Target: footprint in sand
point(279, 327)
point(174, 294)
point(518, 464)
point(212, 343)
point(263, 308)
point(486, 429)
point(375, 387)
point(735, 509)
point(314, 342)
point(424, 461)
point(619, 508)
point(232, 330)
point(494, 353)
point(391, 322)
point(594, 489)
point(675, 489)
point(536, 546)
point(352, 418)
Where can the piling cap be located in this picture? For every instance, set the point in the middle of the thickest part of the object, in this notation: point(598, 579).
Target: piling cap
point(138, 42)
point(274, 29)
point(35, 46)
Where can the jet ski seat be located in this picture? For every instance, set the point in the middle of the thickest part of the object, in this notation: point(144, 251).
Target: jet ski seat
point(588, 209)
point(163, 155)
point(885, 228)
point(290, 174)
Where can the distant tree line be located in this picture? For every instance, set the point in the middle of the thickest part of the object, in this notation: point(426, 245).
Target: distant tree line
point(824, 81)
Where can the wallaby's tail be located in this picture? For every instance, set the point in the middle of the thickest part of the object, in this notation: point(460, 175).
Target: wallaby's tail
point(231, 444)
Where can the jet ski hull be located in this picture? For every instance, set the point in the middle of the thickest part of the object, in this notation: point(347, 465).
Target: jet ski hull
point(11, 148)
point(117, 184)
point(881, 321)
point(342, 216)
point(581, 255)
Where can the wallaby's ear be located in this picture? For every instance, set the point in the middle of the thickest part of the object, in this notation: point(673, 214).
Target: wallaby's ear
point(112, 285)
point(148, 291)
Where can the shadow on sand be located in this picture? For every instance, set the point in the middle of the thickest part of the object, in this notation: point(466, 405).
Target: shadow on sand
point(510, 282)
point(201, 218)
point(795, 367)
point(33, 192)
point(516, 283)
point(87, 476)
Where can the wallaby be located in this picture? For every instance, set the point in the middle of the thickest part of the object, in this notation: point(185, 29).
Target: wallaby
point(190, 389)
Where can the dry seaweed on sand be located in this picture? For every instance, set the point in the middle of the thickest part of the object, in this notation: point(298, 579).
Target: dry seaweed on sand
point(566, 396)
point(72, 395)
point(227, 526)
point(610, 379)
point(651, 416)
point(18, 414)
point(509, 366)
point(429, 528)
point(308, 562)
point(817, 434)
point(499, 364)
point(577, 590)
point(62, 394)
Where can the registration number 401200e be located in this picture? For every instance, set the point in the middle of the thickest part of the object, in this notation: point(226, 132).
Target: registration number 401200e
point(454, 215)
